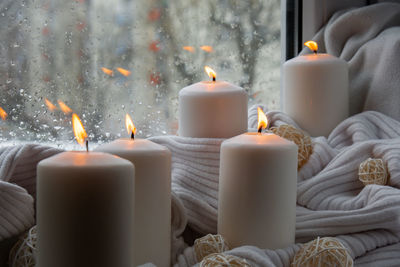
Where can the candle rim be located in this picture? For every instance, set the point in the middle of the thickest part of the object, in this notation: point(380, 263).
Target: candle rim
point(214, 88)
point(250, 139)
point(81, 159)
point(128, 145)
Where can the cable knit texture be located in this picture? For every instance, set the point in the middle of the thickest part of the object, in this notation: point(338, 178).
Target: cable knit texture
point(331, 200)
point(18, 186)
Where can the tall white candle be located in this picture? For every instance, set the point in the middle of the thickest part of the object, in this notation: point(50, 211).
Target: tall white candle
point(152, 226)
point(315, 91)
point(257, 191)
point(85, 210)
point(205, 109)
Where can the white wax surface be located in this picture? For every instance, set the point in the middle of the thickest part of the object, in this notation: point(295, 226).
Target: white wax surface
point(152, 226)
point(85, 210)
point(315, 92)
point(212, 110)
point(257, 191)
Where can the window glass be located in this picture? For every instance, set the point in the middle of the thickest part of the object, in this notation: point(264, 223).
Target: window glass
point(102, 59)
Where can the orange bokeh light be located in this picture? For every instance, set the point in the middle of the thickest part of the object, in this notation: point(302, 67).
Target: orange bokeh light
point(64, 107)
point(124, 72)
point(207, 48)
point(191, 49)
point(3, 114)
point(107, 71)
point(50, 105)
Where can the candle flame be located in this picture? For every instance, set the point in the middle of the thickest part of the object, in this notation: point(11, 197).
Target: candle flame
point(191, 49)
point(107, 71)
point(130, 127)
point(207, 48)
point(67, 110)
point(3, 114)
point(50, 105)
point(313, 46)
point(210, 72)
point(262, 120)
point(124, 72)
point(79, 131)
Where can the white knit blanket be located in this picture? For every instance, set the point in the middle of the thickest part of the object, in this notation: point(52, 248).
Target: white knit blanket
point(331, 200)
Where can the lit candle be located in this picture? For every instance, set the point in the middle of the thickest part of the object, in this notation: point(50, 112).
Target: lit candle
point(204, 109)
point(152, 225)
point(315, 91)
point(84, 208)
point(257, 189)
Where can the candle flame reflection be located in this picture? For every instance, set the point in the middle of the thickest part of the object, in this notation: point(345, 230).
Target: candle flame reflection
point(207, 48)
point(130, 127)
point(64, 107)
point(107, 71)
point(210, 72)
point(124, 72)
point(3, 114)
point(262, 120)
point(313, 46)
point(79, 131)
point(50, 105)
point(191, 49)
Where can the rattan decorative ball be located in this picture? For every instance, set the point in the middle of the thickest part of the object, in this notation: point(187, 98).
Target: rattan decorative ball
point(300, 138)
point(373, 171)
point(23, 254)
point(218, 260)
point(322, 252)
point(209, 244)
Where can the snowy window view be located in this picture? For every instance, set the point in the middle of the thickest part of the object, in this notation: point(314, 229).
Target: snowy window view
point(102, 59)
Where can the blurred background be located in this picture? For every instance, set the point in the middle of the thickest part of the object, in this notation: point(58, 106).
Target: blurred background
point(102, 59)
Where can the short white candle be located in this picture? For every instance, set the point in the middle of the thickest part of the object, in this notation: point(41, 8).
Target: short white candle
point(152, 225)
point(257, 191)
point(85, 210)
point(205, 109)
point(315, 91)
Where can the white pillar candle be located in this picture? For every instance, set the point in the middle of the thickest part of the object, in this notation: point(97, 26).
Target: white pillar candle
point(85, 210)
point(205, 109)
point(152, 226)
point(257, 191)
point(315, 91)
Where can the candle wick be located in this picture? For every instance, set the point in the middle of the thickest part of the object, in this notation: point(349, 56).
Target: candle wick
point(259, 130)
point(87, 145)
point(214, 79)
point(315, 52)
point(132, 135)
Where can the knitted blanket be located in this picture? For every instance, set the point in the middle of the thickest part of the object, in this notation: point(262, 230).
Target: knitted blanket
point(331, 200)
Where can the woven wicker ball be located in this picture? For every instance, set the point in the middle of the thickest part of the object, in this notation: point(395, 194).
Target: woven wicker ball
point(373, 171)
point(218, 260)
point(300, 138)
point(322, 252)
point(209, 244)
point(23, 254)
